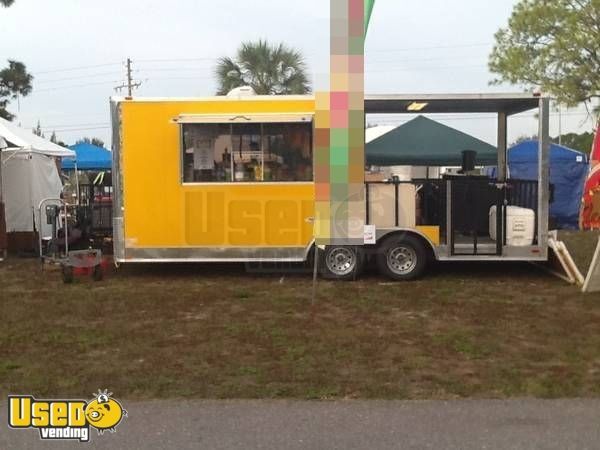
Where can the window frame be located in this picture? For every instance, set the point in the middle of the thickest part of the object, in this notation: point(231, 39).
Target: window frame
point(228, 119)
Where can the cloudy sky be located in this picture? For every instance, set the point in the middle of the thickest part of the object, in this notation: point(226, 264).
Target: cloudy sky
point(76, 50)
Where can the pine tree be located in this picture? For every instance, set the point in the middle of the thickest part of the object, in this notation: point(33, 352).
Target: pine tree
point(38, 130)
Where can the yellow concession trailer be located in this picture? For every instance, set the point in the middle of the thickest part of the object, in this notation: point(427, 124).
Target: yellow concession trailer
point(230, 179)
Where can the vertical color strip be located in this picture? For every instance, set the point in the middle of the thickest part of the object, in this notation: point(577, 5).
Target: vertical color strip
point(369, 4)
point(340, 132)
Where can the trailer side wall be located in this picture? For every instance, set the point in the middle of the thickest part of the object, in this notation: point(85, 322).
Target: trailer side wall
point(164, 218)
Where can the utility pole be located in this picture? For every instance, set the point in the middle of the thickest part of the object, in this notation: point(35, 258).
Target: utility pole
point(131, 84)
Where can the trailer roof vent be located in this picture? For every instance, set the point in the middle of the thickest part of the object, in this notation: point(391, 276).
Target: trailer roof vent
point(242, 91)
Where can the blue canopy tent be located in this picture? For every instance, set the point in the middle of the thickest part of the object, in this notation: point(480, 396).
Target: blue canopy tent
point(568, 171)
point(88, 157)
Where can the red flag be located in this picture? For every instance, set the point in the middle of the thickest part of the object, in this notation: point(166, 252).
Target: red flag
point(590, 206)
point(595, 155)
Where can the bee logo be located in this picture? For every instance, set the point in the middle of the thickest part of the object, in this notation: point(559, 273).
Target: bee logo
point(104, 412)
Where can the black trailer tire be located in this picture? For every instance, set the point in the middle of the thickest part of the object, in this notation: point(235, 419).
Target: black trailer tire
point(67, 274)
point(402, 258)
point(98, 274)
point(341, 262)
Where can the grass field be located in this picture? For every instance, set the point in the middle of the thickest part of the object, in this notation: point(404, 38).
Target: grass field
point(467, 330)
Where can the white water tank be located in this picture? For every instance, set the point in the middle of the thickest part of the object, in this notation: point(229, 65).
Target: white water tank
point(520, 226)
point(242, 91)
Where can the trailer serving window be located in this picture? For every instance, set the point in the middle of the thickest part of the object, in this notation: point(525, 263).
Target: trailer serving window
point(246, 149)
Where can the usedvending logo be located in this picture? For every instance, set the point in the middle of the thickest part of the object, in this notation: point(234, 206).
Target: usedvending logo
point(66, 419)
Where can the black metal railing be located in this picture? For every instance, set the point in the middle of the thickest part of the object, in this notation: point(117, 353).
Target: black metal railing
point(97, 200)
point(522, 193)
point(472, 200)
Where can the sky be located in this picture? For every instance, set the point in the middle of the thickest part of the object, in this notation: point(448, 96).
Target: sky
point(76, 50)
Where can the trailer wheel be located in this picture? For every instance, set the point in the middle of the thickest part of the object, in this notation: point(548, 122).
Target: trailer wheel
point(341, 262)
point(402, 258)
point(98, 273)
point(67, 274)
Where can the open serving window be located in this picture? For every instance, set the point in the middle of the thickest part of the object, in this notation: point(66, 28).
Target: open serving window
point(246, 148)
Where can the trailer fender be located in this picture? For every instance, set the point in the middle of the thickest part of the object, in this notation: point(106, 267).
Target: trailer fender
point(427, 243)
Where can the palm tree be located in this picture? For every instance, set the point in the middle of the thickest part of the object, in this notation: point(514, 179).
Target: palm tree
point(268, 69)
point(6, 3)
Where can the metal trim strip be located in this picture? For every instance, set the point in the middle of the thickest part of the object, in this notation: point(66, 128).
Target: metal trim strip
point(191, 119)
point(217, 254)
point(117, 177)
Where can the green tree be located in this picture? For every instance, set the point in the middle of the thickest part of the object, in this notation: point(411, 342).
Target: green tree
point(553, 45)
point(582, 142)
point(6, 3)
point(54, 139)
point(522, 139)
point(14, 81)
point(38, 130)
point(268, 69)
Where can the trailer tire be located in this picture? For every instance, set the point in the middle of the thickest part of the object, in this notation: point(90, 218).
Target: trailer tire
point(402, 258)
point(341, 262)
point(67, 274)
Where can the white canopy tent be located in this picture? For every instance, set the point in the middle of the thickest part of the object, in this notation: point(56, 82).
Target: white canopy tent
point(18, 138)
point(28, 174)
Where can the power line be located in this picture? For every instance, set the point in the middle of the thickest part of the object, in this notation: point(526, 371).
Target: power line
point(370, 61)
point(34, 116)
point(153, 60)
point(72, 69)
point(172, 69)
point(208, 77)
point(81, 129)
point(54, 127)
point(425, 48)
point(436, 47)
point(416, 69)
point(100, 83)
point(176, 60)
point(135, 84)
point(80, 77)
point(74, 86)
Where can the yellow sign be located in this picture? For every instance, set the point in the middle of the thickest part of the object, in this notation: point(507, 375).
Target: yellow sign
point(65, 419)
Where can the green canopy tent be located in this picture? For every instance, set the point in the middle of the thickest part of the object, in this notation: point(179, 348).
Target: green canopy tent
point(425, 142)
